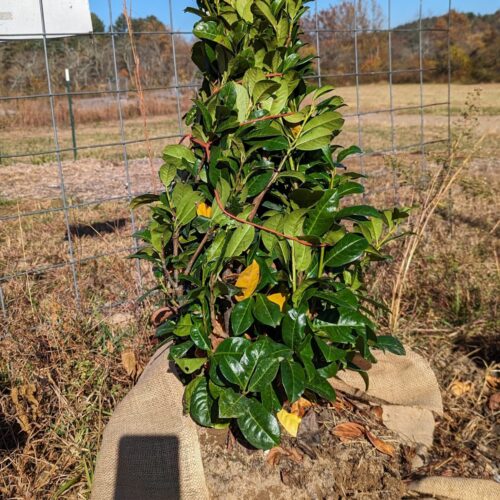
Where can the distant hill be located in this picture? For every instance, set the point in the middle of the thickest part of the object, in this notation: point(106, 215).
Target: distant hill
point(474, 49)
point(475, 45)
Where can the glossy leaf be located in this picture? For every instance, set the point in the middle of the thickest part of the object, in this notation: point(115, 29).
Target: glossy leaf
point(242, 317)
point(201, 403)
point(322, 217)
point(293, 379)
point(350, 248)
point(259, 427)
point(240, 240)
point(293, 329)
point(266, 312)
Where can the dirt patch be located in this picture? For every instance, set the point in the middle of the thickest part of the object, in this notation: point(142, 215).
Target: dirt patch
point(315, 465)
point(84, 180)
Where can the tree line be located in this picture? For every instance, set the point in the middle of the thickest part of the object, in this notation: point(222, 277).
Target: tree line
point(475, 45)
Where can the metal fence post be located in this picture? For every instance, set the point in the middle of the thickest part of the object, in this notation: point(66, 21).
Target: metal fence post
point(58, 157)
point(71, 115)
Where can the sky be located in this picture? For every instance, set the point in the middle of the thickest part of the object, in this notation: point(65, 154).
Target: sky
point(401, 10)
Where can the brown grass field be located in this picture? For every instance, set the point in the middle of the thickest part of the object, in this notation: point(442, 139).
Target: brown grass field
point(61, 373)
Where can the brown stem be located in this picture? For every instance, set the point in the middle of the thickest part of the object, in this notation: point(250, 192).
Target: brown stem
point(266, 229)
point(175, 242)
point(197, 253)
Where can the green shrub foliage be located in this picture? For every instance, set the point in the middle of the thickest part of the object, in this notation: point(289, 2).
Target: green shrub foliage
point(254, 243)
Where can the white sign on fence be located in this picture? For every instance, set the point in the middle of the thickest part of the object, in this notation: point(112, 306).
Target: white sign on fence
point(21, 19)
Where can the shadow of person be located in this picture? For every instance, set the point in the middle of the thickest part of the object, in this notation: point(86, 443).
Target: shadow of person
point(148, 468)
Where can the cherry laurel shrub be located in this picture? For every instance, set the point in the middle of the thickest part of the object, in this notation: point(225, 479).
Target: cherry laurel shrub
point(259, 255)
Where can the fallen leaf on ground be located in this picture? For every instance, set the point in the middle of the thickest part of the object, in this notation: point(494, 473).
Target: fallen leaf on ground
point(459, 388)
point(300, 406)
point(279, 299)
point(203, 210)
point(349, 431)
point(294, 455)
point(248, 281)
point(381, 446)
point(129, 362)
point(289, 421)
point(275, 455)
point(494, 402)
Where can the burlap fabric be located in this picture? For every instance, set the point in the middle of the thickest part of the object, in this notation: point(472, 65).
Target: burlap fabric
point(456, 488)
point(150, 450)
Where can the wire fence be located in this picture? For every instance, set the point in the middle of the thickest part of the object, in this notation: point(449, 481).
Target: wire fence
point(62, 174)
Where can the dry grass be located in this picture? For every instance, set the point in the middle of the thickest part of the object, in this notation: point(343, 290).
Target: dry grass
point(72, 360)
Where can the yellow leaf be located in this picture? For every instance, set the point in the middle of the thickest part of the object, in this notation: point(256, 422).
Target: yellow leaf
point(203, 210)
point(278, 298)
point(289, 421)
point(296, 130)
point(248, 281)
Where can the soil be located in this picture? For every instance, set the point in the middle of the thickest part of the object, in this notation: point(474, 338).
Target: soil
point(315, 465)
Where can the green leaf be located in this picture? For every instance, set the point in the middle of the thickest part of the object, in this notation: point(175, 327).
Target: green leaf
point(178, 156)
point(264, 374)
point(209, 30)
point(242, 102)
point(215, 249)
point(167, 174)
point(331, 353)
point(201, 404)
point(293, 226)
point(241, 317)
point(185, 201)
point(244, 8)
point(266, 312)
point(228, 356)
point(331, 120)
point(322, 387)
point(144, 199)
point(264, 89)
point(293, 379)
point(316, 139)
point(391, 344)
point(188, 392)
point(350, 248)
point(200, 338)
point(353, 150)
point(180, 350)
point(322, 217)
point(184, 325)
point(350, 188)
point(264, 8)
point(240, 240)
point(231, 404)
point(189, 366)
point(269, 399)
point(357, 211)
point(293, 329)
point(259, 427)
